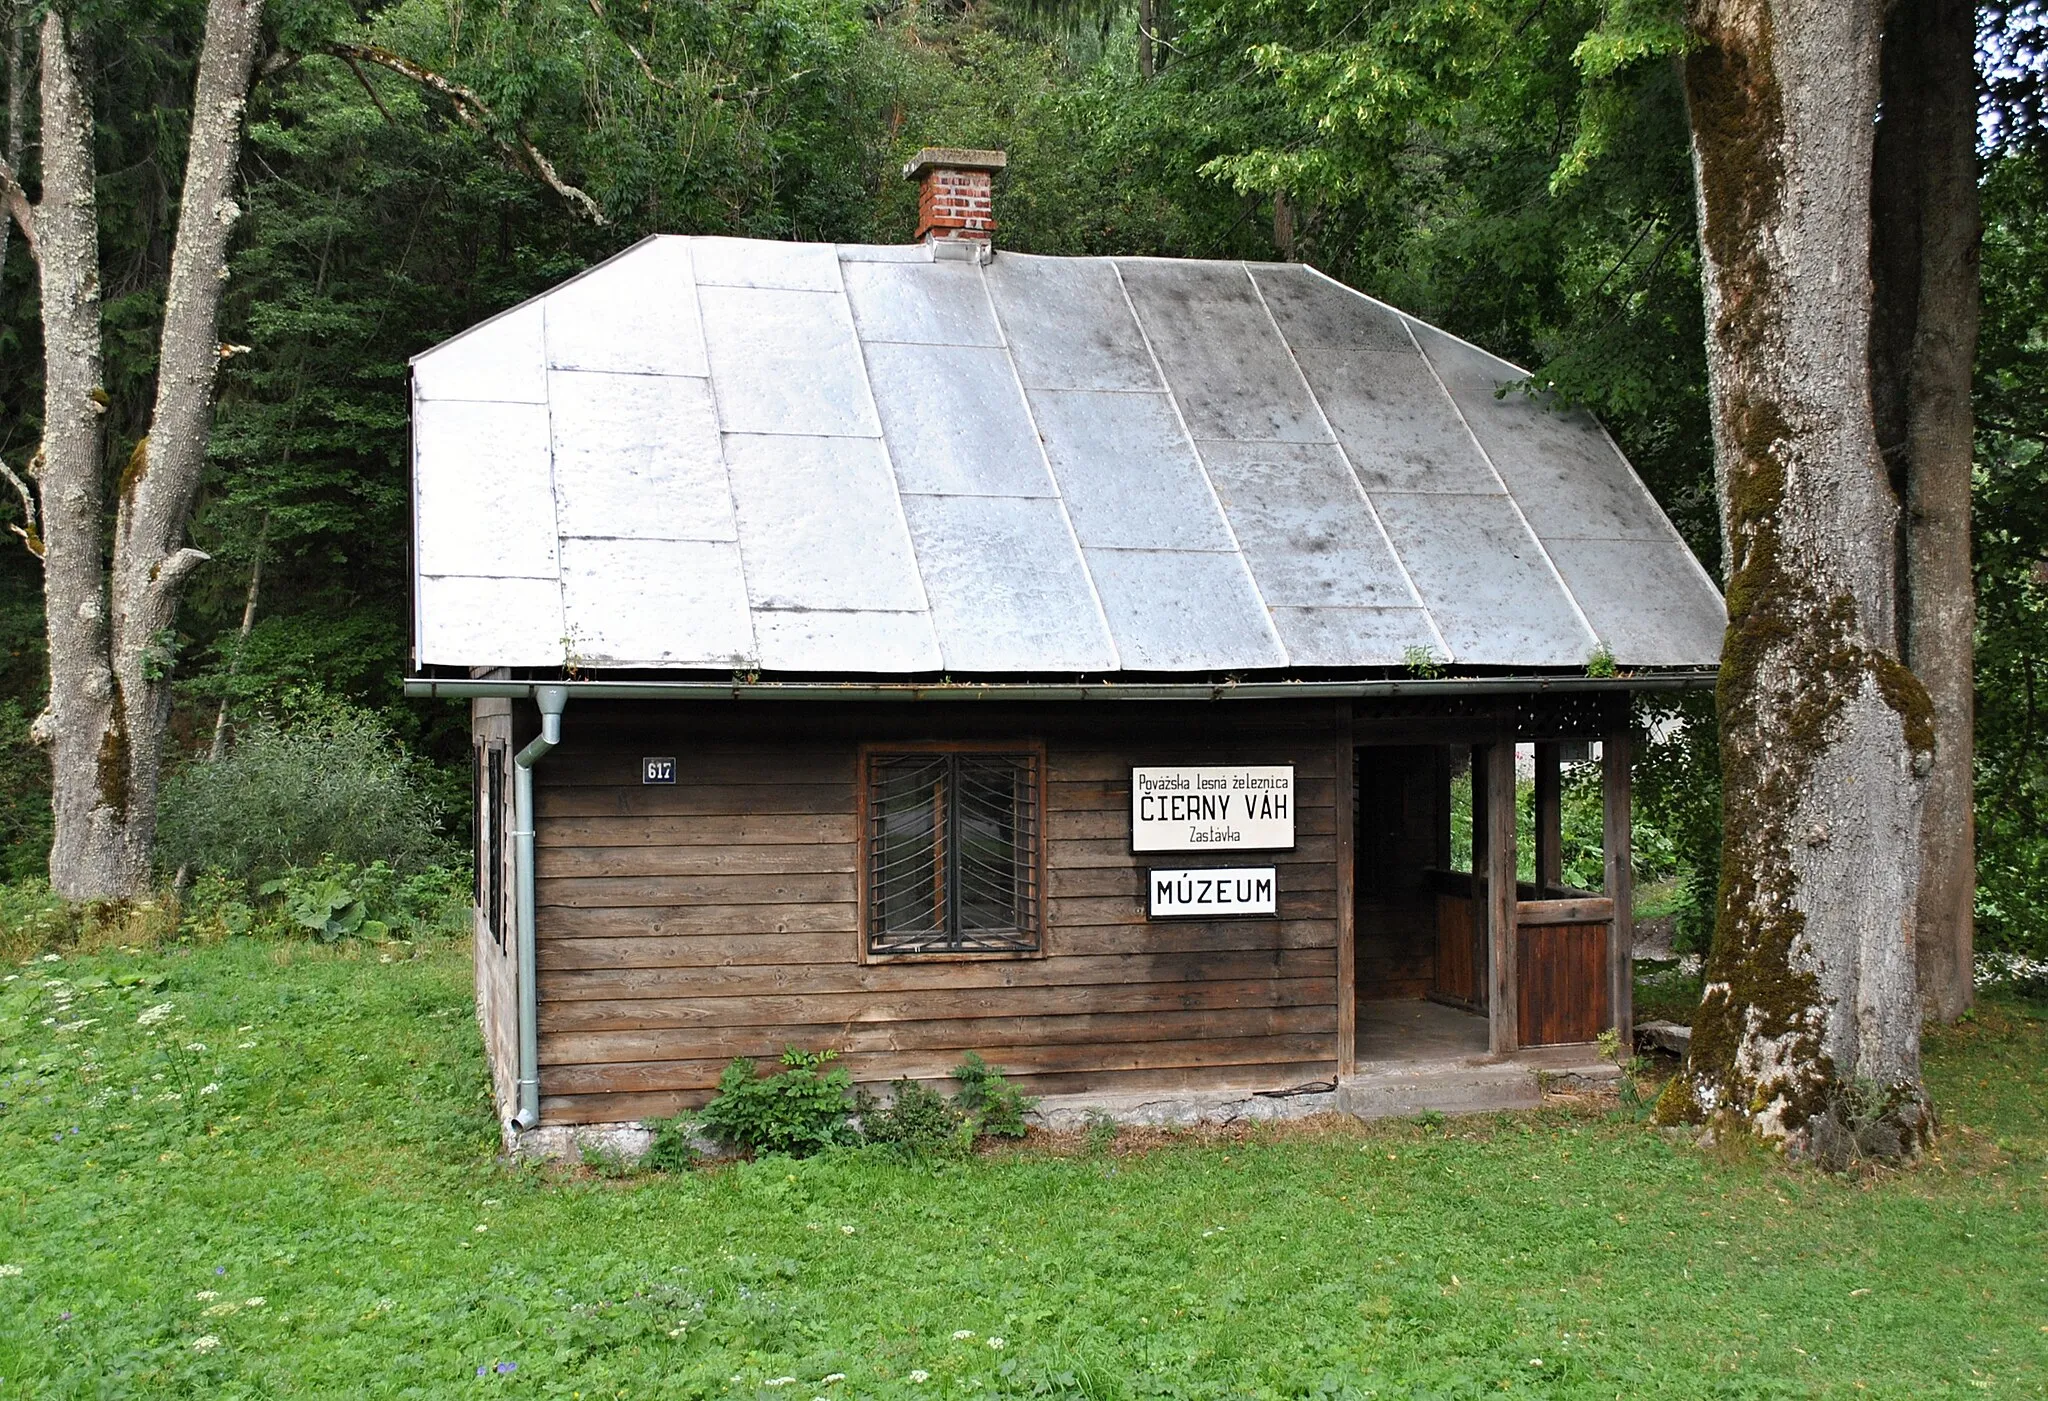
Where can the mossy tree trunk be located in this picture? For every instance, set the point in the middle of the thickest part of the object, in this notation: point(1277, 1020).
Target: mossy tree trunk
point(110, 612)
point(1809, 1022)
point(1927, 228)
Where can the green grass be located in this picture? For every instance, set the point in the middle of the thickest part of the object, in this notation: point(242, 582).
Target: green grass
point(341, 1168)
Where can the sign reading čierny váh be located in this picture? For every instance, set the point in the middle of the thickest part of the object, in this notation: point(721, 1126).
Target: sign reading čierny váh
point(1221, 807)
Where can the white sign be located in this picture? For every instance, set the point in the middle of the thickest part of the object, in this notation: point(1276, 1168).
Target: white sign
point(1220, 808)
point(1212, 893)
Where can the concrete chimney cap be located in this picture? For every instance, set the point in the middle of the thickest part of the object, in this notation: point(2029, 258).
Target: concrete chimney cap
point(952, 158)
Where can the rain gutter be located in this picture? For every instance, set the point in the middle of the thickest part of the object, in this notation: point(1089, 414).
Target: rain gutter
point(551, 699)
point(468, 689)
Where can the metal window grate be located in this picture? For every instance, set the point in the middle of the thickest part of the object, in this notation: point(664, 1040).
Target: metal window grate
point(953, 853)
point(492, 888)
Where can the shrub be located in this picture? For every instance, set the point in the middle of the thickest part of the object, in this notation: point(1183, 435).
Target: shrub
point(332, 900)
point(992, 1104)
point(799, 1111)
point(330, 782)
point(918, 1122)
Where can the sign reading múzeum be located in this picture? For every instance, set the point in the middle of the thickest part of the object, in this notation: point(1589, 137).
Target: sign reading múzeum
point(1232, 807)
point(1212, 893)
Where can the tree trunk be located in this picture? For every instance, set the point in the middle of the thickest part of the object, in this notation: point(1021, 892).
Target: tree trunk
point(1923, 353)
point(111, 630)
point(1808, 1029)
point(17, 97)
point(93, 854)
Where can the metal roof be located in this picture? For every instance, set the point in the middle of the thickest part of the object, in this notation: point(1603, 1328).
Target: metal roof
point(718, 454)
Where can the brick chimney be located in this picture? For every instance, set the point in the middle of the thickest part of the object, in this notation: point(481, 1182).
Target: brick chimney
point(953, 196)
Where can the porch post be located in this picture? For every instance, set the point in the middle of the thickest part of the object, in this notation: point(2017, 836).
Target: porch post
point(1347, 900)
point(1503, 997)
point(1620, 885)
point(1549, 818)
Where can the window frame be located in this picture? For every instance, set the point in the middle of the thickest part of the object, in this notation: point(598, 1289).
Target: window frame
point(491, 846)
point(864, 849)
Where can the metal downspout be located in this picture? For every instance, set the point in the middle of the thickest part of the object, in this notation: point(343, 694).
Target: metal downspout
point(551, 700)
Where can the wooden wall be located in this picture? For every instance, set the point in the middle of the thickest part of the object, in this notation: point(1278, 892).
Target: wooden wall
point(682, 926)
point(497, 967)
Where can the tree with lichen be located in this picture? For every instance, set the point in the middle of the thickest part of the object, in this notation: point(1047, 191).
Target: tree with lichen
point(1809, 1030)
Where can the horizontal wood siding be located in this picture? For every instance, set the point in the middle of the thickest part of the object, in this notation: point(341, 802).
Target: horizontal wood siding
point(682, 926)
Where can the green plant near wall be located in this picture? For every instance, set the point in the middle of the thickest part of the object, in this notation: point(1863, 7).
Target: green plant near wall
point(800, 1110)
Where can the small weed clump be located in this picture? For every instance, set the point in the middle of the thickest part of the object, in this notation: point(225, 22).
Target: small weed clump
point(673, 1148)
point(994, 1106)
point(799, 1112)
point(917, 1122)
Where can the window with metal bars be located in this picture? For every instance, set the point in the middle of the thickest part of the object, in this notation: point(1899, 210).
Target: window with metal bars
point(952, 852)
point(491, 889)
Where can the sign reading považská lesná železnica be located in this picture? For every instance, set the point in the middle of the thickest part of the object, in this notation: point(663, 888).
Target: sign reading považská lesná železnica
point(1220, 807)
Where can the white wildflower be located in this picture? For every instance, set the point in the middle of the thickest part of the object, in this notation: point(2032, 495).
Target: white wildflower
point(152, 1015)
point(220, 1310)
point(831, 1377)
point(49, 1021)
point(997, 1343)
point(482, 1226)
point(205, 1344)
point(919, 1374)
point(209, 1089)
point(195, 1046)
point(963, 1335)
point(52, 958)
point(246, 1046)
point(206, 1295)
point(255, 1303)
point(846, 1230)
point(9, 1271)
point(780, 1381)
point(1535, 1362)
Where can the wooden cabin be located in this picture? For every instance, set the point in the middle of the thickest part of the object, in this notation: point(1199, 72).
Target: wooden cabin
point(913, 650)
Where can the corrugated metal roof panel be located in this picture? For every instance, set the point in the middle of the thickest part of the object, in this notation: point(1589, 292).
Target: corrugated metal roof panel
point(1068, 325)
point(1008, 589)
point(656, 603)
point(1128, 473)
point(1305, 527)
point(1484, 580)
point(786, 362)
point(502, 361)
point(925, 303)
point(1567, 476)
point(518, 621)
point(1183, 610)
point(483, 501)
point(956, 421)
point(1341, 637)
point(820, 524)
point(816, 639)
point(1233, 378)
point(1643, 597)
point(637, 456)
point(1316, 314)
point(914, 454)
point(1400, 429)
point(636, 314)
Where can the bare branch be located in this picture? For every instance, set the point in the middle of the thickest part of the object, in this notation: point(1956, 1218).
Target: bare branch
point(597, 8)
point(475, 114)
point(170, 573)
point(364, 79)
point(31, 532)
point(15, 199)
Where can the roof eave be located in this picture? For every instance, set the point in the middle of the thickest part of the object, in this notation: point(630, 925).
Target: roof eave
point(1690, 679)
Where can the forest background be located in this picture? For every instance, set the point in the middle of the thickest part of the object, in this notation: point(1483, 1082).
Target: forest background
point(1516, 172)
